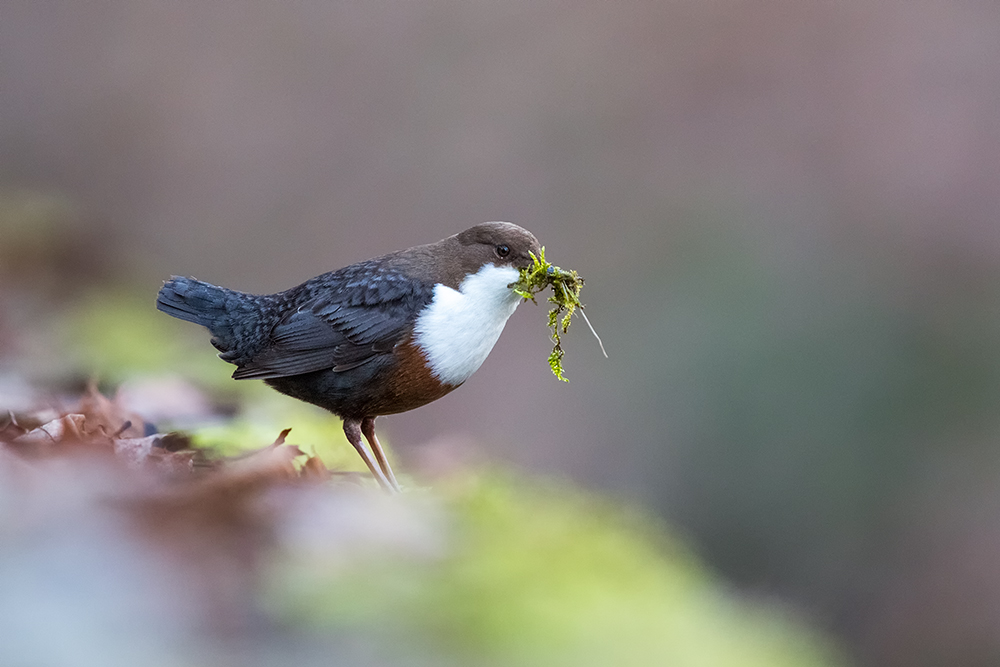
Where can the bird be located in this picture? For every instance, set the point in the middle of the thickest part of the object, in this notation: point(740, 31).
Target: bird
point(375, 338)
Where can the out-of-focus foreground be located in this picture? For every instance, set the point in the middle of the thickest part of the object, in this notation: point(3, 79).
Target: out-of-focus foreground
point(786, 213)
point(123, 547)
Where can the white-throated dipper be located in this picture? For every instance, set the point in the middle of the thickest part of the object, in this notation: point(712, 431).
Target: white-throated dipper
point(374, 338)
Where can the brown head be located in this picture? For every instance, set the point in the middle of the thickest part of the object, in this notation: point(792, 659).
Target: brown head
point(503, 243)
point(450, 260)
point(497, 243)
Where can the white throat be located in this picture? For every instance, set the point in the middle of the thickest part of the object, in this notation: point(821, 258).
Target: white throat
point(458, 329)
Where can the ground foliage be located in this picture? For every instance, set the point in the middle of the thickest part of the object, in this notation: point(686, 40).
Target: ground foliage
point(268, 555)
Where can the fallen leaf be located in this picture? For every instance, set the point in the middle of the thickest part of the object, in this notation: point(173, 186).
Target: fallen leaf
point(314, 468)
point(69, 426)
point(108, 416)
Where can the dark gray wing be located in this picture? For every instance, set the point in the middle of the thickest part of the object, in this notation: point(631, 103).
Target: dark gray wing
point(342, 320)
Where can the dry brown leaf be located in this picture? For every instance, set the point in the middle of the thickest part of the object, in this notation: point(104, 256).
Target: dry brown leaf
point(276, 461)
point(10, 427)
point(151, 450)
point(108, 417)
point(67, 427)
point(103, 426)
point(314, 468)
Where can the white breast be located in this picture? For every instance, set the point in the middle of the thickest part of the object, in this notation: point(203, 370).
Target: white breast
point(458, 329)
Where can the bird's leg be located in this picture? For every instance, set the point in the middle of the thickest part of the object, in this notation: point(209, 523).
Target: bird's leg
point(352, 429)
point(368, 428)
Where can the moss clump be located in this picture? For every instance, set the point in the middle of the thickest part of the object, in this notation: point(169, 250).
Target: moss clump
point(566, 287)
point(524, 573)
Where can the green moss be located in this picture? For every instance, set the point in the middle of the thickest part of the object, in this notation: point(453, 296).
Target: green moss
point(265, 413)
point(566, 286)
point(542, 574)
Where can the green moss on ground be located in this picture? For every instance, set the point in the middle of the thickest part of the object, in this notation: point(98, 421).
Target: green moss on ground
point(544, 574)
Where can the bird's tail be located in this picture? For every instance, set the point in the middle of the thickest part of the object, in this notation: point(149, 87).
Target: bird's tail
point(228, 314)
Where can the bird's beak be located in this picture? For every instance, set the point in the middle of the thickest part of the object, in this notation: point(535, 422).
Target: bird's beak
point(524, 263)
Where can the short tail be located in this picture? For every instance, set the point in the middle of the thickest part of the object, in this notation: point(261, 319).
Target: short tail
point(192, 300)
point(228, 314)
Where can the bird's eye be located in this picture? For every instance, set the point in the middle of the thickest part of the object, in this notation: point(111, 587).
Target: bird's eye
point(503, 249)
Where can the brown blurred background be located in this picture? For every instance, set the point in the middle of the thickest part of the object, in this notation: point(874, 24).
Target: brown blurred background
point(786, 212)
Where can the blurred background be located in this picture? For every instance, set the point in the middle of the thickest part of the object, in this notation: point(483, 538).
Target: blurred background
point(786, 213)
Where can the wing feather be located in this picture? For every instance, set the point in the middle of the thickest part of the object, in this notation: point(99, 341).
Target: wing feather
point(345, 319)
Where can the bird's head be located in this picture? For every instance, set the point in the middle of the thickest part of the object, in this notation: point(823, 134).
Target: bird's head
point(498, 243)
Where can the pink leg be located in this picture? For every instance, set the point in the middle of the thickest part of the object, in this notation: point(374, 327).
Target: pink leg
point(352, 429)
point(368, 428)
